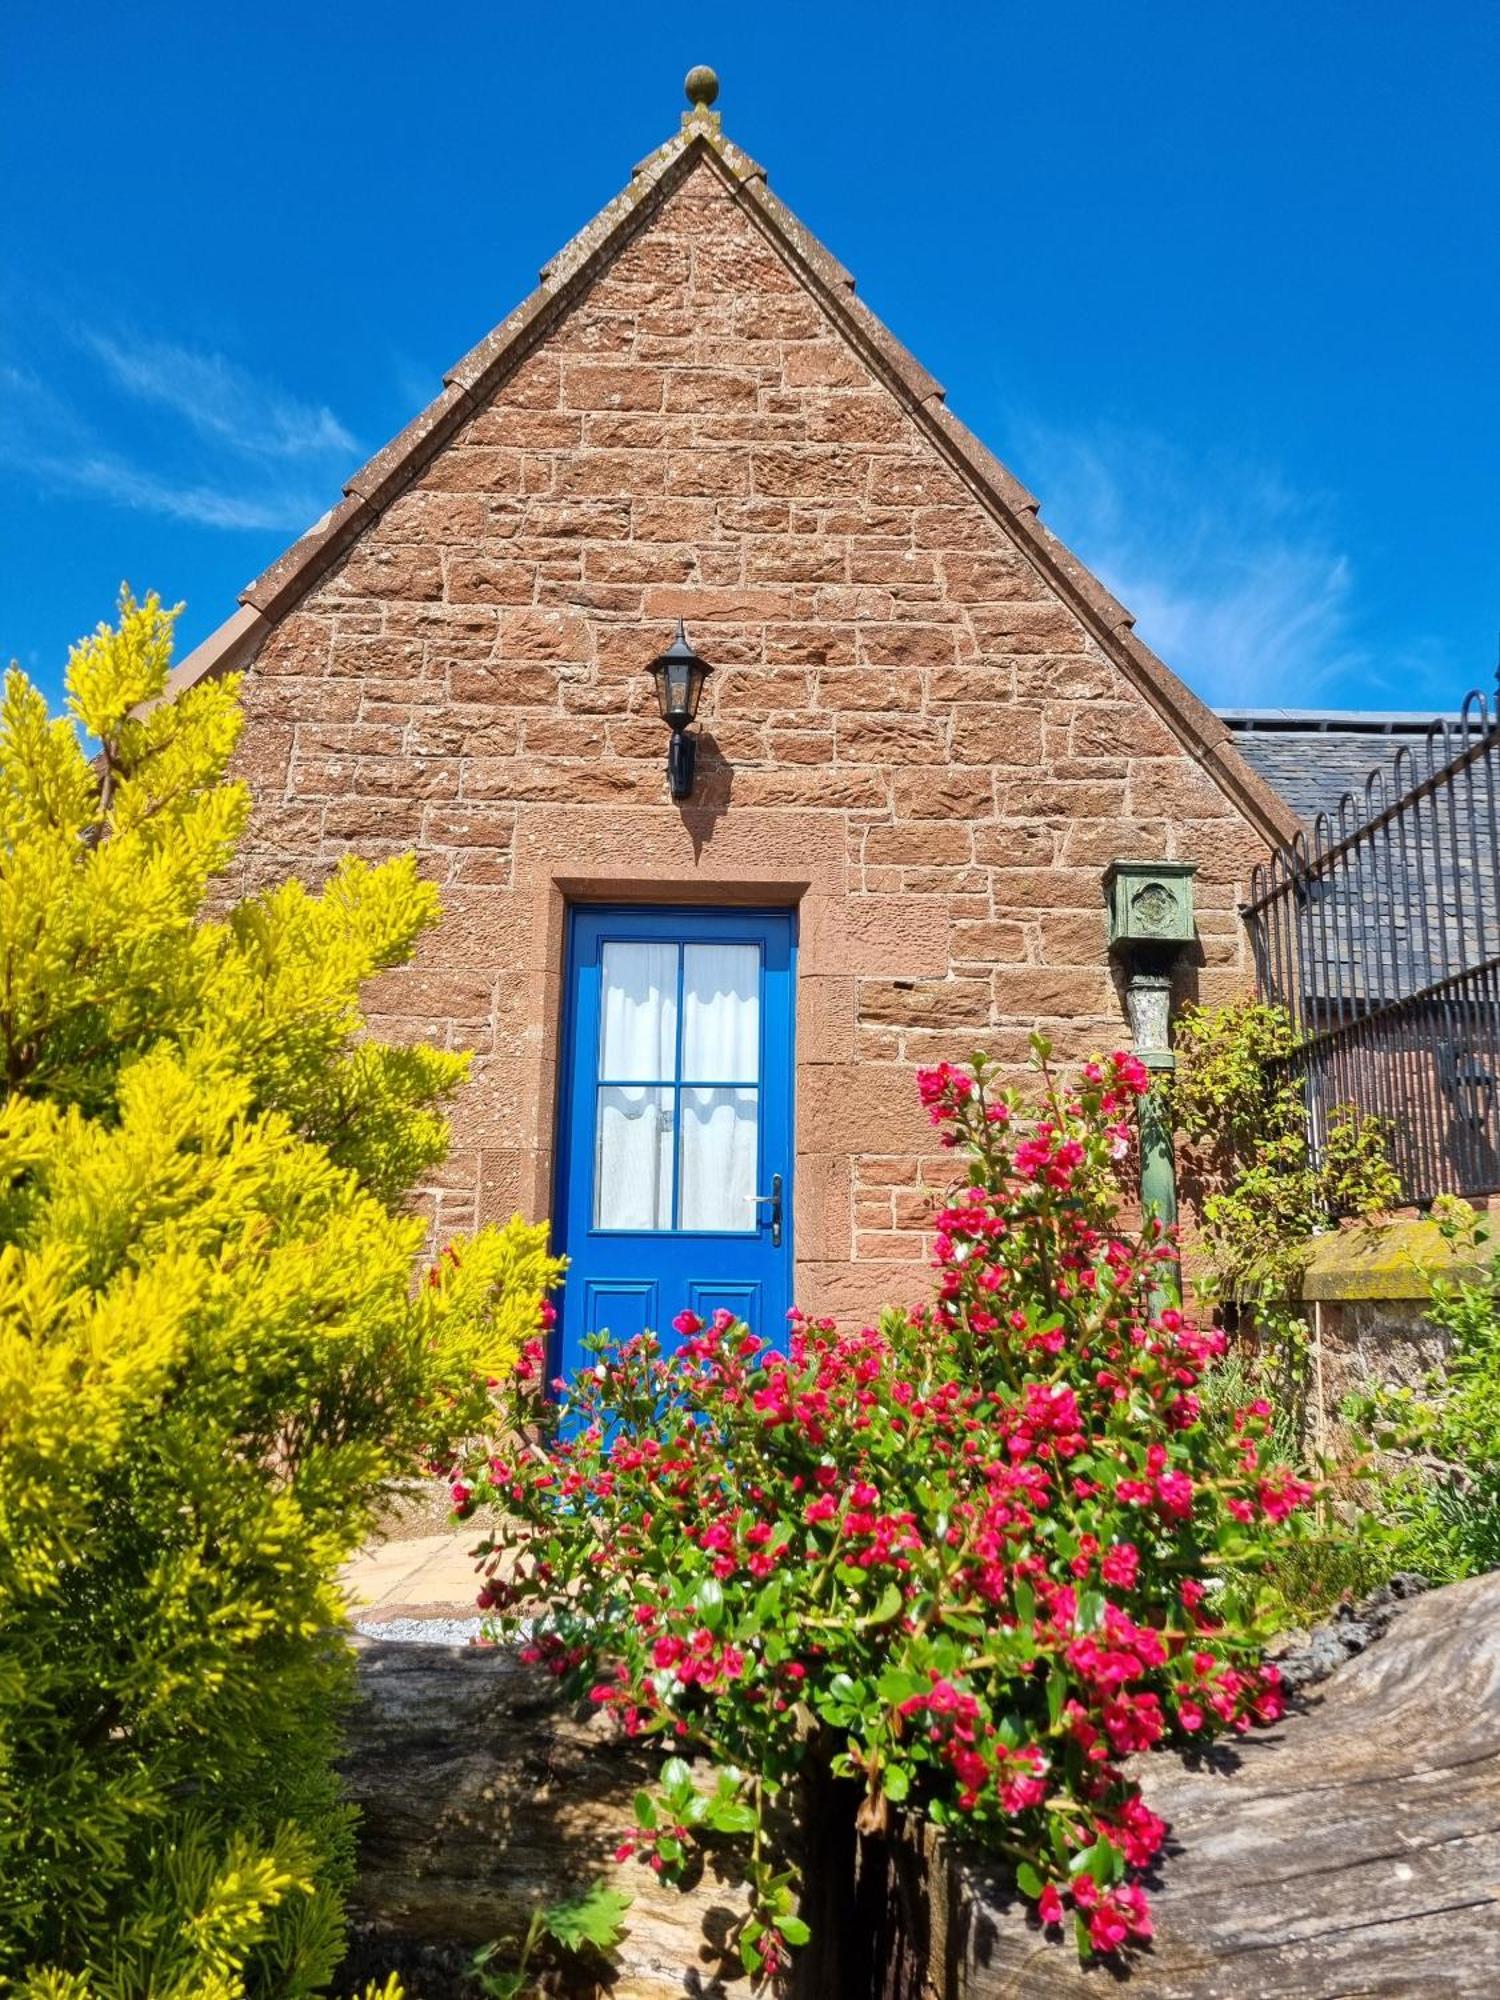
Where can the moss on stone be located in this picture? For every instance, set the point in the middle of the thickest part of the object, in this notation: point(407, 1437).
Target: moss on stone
point(1386, 1260)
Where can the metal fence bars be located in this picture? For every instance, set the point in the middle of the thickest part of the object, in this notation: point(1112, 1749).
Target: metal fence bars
point(1380, 936)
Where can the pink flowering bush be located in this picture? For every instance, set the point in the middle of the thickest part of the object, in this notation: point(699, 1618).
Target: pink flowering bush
point(972, 1558)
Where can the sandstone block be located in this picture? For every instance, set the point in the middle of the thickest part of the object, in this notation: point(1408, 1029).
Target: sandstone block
point(469, 826)
point(1172, 788)
point(943, 794)
point(925, 1003)
point(918, 844)
point(477, 579)
point(911, 644)
point(985, 942)
point(527, 635)
point(891, 739)
point(1035, 992)
point(589, 385)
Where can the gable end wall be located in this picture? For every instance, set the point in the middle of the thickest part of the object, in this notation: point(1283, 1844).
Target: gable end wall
point(906, 734)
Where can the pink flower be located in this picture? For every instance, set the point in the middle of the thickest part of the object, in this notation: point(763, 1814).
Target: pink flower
point(1174, 1492)
point(1049, 1906)
point(1107, 1927)
point(1281, 1494)
point(1120, 1565)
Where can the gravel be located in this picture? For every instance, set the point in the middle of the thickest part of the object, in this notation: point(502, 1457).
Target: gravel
point(1310, 1657)
point(421, 1631)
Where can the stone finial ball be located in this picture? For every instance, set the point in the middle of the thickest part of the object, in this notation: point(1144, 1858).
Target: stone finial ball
point(701, 85)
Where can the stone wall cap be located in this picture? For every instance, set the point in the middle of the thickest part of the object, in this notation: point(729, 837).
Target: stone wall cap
point(1384, 1260)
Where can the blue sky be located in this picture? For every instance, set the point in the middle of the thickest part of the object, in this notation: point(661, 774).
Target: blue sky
point(1220, 283)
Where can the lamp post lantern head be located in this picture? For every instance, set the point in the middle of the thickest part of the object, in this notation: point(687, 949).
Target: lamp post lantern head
point(679, 675)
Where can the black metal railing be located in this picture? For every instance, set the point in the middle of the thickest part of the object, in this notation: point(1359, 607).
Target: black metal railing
point(1379, 933)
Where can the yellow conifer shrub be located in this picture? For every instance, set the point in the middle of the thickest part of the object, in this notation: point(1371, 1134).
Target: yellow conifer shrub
point(215, 1354)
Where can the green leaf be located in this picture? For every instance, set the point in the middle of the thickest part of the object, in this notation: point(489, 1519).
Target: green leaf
point(887, 1607)
point(1028, 1881)
point(896, 1782)
point(676, 1778)
point(793, 1929)
point(730, 1816)
point(645, 1811)
point(898, 1684)
point(593, 1919)
point(1057, 1695)
point(1108, 1864)
point(709, 1598)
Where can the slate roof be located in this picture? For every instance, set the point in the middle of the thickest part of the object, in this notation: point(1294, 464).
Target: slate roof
point(1413, 900)
point(1313, 757)
point(470, 384)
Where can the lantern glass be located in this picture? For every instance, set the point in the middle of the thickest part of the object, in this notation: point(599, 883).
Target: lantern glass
point(679, 676)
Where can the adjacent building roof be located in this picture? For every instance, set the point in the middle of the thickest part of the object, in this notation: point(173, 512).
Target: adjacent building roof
point(474, 380)
point(1314, 756)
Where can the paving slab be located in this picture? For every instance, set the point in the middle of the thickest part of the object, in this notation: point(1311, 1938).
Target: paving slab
point(430, 1576)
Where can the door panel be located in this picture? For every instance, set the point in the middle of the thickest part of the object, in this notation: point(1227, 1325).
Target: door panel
point(675, 1120)
point(622, 1308)
point(744, 1301)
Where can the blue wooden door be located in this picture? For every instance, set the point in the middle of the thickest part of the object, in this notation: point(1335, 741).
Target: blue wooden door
point(675, 1154)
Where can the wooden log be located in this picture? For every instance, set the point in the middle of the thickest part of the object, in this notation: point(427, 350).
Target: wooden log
point(481, 1799)
point(1353, 1849)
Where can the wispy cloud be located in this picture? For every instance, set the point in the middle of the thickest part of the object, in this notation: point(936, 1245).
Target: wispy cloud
point(222, 401)
point(1234, 579)
point(114, 479)
point(224, 449)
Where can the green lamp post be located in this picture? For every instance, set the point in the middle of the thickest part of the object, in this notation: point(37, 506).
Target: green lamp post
point(1150, 924)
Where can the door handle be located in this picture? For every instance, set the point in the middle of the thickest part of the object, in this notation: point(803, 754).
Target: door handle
point(773, 1202)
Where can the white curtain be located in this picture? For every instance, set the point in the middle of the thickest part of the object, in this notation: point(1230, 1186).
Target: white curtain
point(638, 1013)
point(721, 1013)
point(720, 1131)
point(633, 1170)
point(719, 1126)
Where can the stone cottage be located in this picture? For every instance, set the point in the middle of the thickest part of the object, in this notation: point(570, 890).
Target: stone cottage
point(925, 733)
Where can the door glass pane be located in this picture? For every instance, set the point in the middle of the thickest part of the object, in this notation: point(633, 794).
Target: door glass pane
point(721, 1013)
point(638, 1012)
point(633, 1170)
point(720, 1133)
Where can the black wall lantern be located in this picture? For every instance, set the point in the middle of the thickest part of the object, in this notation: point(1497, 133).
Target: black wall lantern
point(679, 676)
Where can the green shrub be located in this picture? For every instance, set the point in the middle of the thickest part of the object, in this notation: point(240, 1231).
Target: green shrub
point(1261, 1189)
point(1440, 1497)
point(213, 1357)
